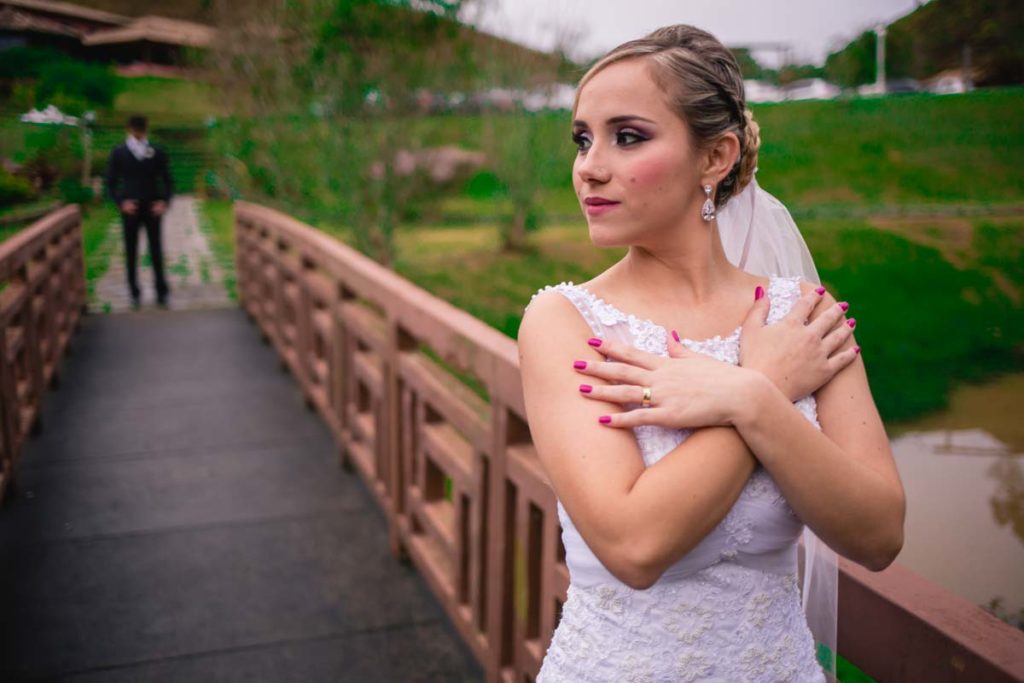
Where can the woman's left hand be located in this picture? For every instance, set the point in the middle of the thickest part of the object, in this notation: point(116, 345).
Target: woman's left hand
point(687, 389)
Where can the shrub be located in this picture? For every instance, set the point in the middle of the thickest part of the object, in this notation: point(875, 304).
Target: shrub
point(14, 189)
point(77, 85)
point(485, 185)
point(73, 192)
point(27, 62)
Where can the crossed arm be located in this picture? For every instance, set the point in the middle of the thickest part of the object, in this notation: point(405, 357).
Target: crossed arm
point(640, 521)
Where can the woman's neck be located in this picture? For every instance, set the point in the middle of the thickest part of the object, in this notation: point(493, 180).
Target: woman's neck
point(689, 272)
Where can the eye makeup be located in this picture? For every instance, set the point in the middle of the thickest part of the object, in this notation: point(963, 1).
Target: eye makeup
point(624, 137)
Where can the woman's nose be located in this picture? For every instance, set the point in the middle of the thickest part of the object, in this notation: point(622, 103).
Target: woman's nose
point(591, 168)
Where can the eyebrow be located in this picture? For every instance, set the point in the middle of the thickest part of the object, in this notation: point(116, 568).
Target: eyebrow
point(613, 120)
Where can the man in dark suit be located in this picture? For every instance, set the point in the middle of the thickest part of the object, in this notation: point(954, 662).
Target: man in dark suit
point(139, 182)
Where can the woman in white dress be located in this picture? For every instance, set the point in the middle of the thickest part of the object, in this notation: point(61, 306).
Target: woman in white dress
point(685, 470)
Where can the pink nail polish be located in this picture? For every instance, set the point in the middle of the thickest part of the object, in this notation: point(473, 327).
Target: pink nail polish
point(604, 419)
point(594, 341)
point(675, 335)
point(843, 305)
point(758, 293)
point(579, 364)
point(852, 322)
point(856, 349)
point(586, 388)
point(820, 290)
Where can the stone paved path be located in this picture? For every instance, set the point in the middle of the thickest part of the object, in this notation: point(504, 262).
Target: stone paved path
point(195, 278)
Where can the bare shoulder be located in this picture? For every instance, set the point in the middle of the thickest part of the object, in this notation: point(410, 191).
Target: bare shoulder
point(549, 318)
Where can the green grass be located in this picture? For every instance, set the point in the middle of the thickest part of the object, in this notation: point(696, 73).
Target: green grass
point(924, 323)
point(848, 672)
point(891, 151)
point(894, 150)
point(217, 222)
point(96, 242)
point(166, 100)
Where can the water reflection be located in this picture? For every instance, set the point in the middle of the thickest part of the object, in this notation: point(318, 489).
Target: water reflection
point(965, 514)
point(1008, 503)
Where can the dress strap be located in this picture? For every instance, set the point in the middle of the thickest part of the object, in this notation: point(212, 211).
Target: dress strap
point(600, 317)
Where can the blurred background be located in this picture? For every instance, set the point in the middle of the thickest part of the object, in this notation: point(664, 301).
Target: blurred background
point(434, 136)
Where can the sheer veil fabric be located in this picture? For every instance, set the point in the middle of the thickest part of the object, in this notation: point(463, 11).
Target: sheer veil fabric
point(759, 236)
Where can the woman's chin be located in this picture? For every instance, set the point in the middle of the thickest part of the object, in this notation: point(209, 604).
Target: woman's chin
point(608, 236)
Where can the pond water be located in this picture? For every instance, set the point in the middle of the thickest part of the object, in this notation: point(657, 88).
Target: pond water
point(965, 495)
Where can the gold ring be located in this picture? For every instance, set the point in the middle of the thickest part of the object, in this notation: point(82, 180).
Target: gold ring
point(646, 401)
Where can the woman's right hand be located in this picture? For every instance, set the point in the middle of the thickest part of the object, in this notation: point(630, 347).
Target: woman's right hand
point(803, 350)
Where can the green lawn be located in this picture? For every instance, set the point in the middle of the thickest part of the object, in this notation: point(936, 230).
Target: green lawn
point(925, 323)
point(97, 243)
point(867, 152)
point(217, 221)
point(166, 101)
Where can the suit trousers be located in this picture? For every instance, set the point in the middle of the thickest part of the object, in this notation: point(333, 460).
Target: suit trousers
point(131, 223)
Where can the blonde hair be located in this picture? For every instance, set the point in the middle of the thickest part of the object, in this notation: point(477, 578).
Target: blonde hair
point(704, 86)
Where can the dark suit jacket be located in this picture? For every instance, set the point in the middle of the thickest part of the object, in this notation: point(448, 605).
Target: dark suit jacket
point(145, 181)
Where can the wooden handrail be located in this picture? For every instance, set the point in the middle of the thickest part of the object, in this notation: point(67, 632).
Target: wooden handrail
point(42, 298)
point(425, 401)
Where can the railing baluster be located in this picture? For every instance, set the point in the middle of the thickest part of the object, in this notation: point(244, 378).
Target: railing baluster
point(42, 298)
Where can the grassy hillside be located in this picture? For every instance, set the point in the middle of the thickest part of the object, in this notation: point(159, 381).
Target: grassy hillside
point(896, 150)
point(166, 100)
point(928, 318)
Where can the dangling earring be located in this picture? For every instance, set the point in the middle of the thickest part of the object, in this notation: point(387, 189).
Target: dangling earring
point(707, 212)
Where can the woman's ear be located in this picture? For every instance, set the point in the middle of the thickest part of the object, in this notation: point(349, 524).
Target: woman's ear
point(720, 157)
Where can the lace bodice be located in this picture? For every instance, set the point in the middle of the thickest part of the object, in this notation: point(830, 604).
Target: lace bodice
point(727, 611)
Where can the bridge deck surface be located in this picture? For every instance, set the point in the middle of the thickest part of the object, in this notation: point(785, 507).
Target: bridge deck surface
point(182, 517)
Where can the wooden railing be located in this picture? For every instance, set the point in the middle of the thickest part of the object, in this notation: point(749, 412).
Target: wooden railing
point(425, 402)
point(42, 297)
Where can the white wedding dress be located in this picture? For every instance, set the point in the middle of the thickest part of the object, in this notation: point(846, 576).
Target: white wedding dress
point(730, 609)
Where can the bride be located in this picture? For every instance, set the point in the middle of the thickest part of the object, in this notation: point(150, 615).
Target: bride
point(700, 430)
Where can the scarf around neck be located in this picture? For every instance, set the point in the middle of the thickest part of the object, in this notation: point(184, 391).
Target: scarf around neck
point(140, 149)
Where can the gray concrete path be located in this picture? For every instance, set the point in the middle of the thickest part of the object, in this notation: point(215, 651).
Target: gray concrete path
point(195, 278)
point(182, 517)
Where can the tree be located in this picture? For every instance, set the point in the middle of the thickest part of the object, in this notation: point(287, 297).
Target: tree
point(934, 37)
point(749, 67)
point(324, 94)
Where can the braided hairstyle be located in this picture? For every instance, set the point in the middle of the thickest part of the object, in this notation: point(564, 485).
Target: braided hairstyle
point(704, 86)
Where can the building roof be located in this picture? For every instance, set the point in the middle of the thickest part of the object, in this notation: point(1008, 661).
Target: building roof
point(69, 10)
point(13, 19)
point(155, 30)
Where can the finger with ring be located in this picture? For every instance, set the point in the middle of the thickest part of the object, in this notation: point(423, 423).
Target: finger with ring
point(645, 402)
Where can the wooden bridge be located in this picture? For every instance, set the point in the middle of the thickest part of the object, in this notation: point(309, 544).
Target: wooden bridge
point(180, 514)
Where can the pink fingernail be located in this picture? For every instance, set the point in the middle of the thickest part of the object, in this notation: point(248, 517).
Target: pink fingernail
point(675, 335)
point(843, 305)
point(758, 293)
point(586, 388)
point(604, 419)
point(579, 364)
point(594, 341)
point(851, 322)
point(856, 349)
point(820, 290)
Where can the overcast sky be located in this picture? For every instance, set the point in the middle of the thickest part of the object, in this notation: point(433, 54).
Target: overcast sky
point(812, 28)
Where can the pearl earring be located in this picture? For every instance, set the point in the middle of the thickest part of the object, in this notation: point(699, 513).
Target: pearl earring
point(707, 212)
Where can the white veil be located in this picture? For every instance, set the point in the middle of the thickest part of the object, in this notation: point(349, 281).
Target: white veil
point(760, 236)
